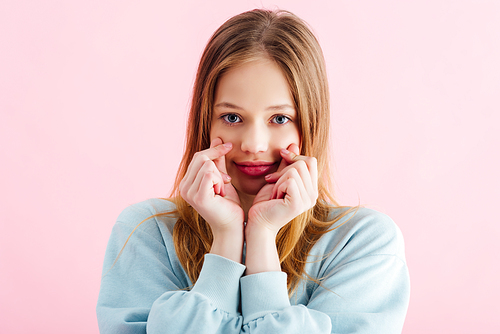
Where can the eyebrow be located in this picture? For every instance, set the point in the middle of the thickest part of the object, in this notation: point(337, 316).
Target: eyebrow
point(232, 106)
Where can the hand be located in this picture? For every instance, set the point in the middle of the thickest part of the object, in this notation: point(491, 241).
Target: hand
point(292, 190)
point(206, 186)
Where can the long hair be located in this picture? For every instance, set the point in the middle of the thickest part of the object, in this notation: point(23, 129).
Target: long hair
point(286, 39)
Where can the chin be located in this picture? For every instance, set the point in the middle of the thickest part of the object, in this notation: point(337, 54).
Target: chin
point(251, 188)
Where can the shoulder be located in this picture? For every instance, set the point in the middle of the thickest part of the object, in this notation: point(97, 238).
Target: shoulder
point(141, 242)
point(146, 209)
point(153, 216)
point(363, 232)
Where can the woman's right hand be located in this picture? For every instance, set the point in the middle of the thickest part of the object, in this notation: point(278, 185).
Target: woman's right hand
point(206, 186)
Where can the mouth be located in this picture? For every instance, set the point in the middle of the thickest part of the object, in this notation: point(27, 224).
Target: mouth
point(255, 168)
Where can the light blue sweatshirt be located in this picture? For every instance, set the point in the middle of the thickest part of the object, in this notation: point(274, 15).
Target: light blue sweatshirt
point(365, 287)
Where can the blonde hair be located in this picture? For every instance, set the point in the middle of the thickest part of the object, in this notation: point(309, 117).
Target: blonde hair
point(286, 39)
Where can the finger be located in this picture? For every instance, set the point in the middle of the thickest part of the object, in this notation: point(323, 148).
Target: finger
point(207, 182)
point(210, 171)
point(279, 190)
point(307, 174)
point(290, 153)
point(295, 197)
point(201, 157)
point(284, 189)
point(293, 174)
point(205, 191)
point(284, 162)
point(294, 160)
point(218, 150)
point(294, 148)
point(220, 162)
point(289, 192)
point(292, 198)
point(225, 177)
point(215, 142)
point(195, 186)
point(282, 165)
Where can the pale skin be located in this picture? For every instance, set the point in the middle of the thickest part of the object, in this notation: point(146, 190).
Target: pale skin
point(253, 170)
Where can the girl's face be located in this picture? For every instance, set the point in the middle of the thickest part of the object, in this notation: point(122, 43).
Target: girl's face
point(253, 110)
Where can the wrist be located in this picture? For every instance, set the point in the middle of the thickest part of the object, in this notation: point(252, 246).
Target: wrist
point(262, 229)
point(228, 244)
point(261, 251)
point(260, 232)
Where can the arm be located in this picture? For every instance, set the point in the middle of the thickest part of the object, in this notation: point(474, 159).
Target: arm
point(147, 287)
point(365, 287)
point(375, 283)
point(206, 186)
point(267, 309)
point(210, 307)
point(265, 304)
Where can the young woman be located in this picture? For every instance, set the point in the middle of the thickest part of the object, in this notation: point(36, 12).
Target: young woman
point(251, 240)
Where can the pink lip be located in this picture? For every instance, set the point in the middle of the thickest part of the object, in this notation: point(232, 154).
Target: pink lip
point(255, 168)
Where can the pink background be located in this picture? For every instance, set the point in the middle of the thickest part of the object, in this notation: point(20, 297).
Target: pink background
point(93, 101)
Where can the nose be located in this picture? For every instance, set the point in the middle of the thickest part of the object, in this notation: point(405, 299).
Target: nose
point(255, 139)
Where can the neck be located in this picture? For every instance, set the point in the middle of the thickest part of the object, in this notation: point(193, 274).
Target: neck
point(246, 201)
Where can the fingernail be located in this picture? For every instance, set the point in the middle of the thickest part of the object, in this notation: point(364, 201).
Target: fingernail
point(268, 176)
point(285, 151)
point(228, 145)
point(227, 177)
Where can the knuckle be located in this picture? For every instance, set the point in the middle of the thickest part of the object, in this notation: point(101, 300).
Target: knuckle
point(311, 161)
point(293, 172)
point(299, 164)
point(183, 189)
point(207, 166)
point(303, 164)
point(189, 194)
point(187, 198)
point(200, 156)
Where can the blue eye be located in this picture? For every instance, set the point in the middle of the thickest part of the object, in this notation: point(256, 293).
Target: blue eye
point(231, 118)
point(281, 119)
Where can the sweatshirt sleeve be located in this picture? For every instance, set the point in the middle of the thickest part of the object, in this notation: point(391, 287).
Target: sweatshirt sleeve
point(267, 309)
point(146, 290)
point(364, 285)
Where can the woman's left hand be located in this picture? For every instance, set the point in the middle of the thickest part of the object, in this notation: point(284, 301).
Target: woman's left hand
point(291, 190)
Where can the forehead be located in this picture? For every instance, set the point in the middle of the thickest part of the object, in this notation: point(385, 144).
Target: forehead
point(255, 85)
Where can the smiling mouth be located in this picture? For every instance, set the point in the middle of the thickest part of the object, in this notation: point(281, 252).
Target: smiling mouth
point(256, 168)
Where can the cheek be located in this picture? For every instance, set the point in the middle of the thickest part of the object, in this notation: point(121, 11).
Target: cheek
point(226, 137)
point(284, 139)
point(223, 134)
